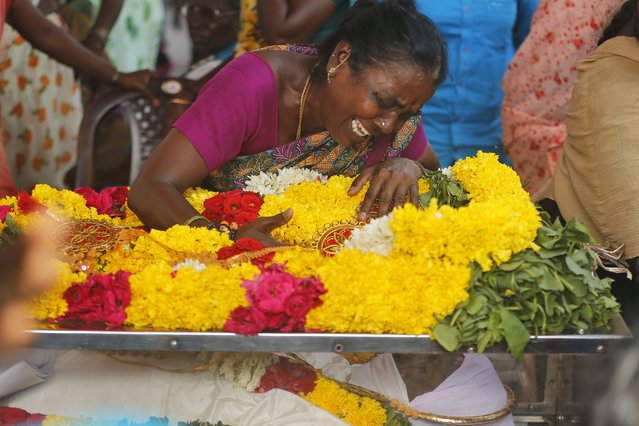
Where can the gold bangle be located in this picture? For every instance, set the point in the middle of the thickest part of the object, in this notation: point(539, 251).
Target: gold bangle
point(180, 101)
point(190, 220)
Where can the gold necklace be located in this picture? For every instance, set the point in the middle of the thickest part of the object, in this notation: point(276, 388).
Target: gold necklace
point(307, 85)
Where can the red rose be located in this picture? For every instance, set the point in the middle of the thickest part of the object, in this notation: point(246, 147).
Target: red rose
point(233, 207)
point(101, 299)
point(245, 321)
point(28, 204)
point(240, 217)
point(12, 416)
point(232, 204)
point(251, 202)
point(4, 211)
point(109, 201)
point(117, 194)
point(294, 325)
point(275, 321)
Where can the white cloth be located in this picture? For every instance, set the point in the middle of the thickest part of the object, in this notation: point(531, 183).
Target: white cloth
point(473, 389)
point(94, 385)
point(24, 369)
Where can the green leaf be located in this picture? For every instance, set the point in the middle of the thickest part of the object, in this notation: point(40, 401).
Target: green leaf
point(447, 336)
point(476, 304)
point(424, 199)
point(515, 333)
point(549, 282)
point(574, 267)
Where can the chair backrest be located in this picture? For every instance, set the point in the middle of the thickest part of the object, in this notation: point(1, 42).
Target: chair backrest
point(144, 122)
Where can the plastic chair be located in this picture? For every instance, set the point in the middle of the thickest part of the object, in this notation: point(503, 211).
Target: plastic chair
point(144, 123)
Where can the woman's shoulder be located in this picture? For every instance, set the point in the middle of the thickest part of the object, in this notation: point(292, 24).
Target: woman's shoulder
point(248, 74)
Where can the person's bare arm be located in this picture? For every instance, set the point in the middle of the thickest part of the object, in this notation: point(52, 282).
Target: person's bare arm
point(156, 195)
point(292, 21)
point(55, 42)
point(175, 165)
point(107, 16)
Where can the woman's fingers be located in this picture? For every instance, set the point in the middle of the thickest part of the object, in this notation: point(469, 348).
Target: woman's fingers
point(271, 223)
point(361, 180)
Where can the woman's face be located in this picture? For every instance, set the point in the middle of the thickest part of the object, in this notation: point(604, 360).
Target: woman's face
point(213, 25)
point(373, 101)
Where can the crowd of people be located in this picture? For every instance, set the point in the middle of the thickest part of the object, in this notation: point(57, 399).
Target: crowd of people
point(377, 90)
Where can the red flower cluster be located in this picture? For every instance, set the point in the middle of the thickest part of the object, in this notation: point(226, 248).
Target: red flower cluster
point(279, 302)
point(109, 201)
point(239, 207)
point(100, 299)
point(288, 376)
point(28, 204)
point(244, 245)
point(4, 211)
point(17, 416)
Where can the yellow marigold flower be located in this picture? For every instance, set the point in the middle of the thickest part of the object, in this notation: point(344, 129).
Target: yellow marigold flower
point(381, 286)
point(197, 196)
point(314, 204)
point(345, 405)
point(190, 300)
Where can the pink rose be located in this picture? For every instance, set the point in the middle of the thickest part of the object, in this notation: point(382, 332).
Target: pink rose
point(271, 290)
point(298, 304)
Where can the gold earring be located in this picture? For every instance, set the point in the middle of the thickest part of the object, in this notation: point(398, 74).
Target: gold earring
point(331, 72)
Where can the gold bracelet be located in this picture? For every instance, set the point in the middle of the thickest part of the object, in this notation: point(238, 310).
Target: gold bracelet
point(190, 220)
point(180, 101)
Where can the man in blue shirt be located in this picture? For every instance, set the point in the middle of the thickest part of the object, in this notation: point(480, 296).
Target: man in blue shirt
point(464, 115)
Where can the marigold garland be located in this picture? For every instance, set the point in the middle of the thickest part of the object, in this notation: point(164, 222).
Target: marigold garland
point(428, 262)
point(314, 204)
point(347, 406)
point(186, 299)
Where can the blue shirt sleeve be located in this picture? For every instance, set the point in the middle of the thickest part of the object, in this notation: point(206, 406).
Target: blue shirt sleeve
point(525, 11)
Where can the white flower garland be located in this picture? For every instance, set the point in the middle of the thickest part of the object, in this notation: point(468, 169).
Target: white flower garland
point(277, 182)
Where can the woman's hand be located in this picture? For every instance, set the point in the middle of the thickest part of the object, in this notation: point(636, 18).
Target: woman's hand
point(260, 229)
point(139, 81)
point(390, 182)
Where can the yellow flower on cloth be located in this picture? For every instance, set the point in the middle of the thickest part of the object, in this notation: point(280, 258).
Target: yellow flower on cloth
point(52, 304)
point(314, 204)
point(345, 405)
point(164, 298)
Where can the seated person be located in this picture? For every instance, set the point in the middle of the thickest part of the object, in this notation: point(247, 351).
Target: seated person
point(351, 107)
point(213, 27)
point(596, 176)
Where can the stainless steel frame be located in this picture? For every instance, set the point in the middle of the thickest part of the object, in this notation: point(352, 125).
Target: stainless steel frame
point(141, 340)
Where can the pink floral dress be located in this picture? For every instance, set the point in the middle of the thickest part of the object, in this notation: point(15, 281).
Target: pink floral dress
point(539, 81)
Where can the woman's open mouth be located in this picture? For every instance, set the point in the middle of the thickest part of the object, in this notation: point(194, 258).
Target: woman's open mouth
point(358, 128)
